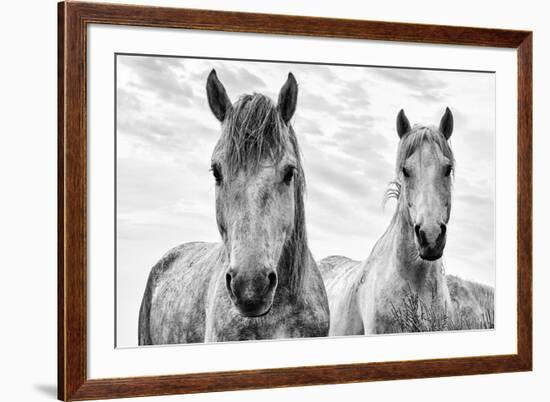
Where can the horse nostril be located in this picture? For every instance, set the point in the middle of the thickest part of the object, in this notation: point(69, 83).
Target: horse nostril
point(443, 229)
point(272, 277)
point(420, 235)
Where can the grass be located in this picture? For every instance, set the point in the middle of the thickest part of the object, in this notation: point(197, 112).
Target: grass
point(415, 315)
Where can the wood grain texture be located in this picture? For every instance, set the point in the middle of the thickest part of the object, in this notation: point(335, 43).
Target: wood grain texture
point(72, 229)
point(300, 376)
point(60, 201)
point(295, 25)
point(73, 19)
point(524, 201)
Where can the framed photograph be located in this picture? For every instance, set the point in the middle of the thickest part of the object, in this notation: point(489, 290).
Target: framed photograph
point(253, 201)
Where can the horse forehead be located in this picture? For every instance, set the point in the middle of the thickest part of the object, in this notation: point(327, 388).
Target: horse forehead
point(429, 154)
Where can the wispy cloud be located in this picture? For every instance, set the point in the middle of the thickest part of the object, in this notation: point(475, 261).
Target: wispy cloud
point(420, 84)
point(161, 76)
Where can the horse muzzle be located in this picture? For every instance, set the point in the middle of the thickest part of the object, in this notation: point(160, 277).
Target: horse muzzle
point(431, 241)
point(252, 294)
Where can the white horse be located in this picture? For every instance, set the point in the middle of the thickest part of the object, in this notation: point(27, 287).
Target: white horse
point(402, 285)
point(260, 281)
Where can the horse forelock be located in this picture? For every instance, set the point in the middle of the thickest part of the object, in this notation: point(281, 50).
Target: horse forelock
point(408, 145)
point(254, 133)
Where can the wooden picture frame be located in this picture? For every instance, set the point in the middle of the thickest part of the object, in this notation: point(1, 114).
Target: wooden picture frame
point(73, 19)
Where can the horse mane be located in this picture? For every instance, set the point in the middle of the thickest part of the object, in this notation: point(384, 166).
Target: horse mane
point(296, 252)
point(254, 132)
point(408, 145)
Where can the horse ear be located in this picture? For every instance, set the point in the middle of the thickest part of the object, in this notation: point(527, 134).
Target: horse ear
point(288, 97)
point(217, 97)
point(446, 124)
point(402, 124)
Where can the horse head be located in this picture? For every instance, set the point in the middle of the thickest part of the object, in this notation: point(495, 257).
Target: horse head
point(424, 166)
point(259, 184)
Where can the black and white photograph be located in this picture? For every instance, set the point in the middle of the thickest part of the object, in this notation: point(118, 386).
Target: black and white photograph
point(268, 200)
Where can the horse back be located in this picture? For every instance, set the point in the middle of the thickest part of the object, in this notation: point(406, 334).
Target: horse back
point(333, 265)
point(173, 304)
point(473, 303)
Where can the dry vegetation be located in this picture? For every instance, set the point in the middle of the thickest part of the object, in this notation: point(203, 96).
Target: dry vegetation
point(468, 299)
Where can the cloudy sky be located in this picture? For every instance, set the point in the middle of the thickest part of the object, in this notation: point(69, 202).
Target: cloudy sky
point(345, 123)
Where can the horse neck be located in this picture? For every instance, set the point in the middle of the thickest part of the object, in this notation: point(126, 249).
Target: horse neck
point(419, 274)
point(291, 271)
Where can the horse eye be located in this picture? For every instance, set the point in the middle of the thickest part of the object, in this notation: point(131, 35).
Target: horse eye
point(405, 172)
point(216, 171)
point(448, 171)
point(289, 174)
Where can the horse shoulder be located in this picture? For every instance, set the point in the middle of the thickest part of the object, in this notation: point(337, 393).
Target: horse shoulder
point(174, 286)
point(166, 261)
point(382, 289)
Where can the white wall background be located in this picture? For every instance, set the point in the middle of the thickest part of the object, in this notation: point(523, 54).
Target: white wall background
point(28, 199)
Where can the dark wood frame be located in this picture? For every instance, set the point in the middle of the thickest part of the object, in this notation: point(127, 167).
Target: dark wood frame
point(73, 19)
